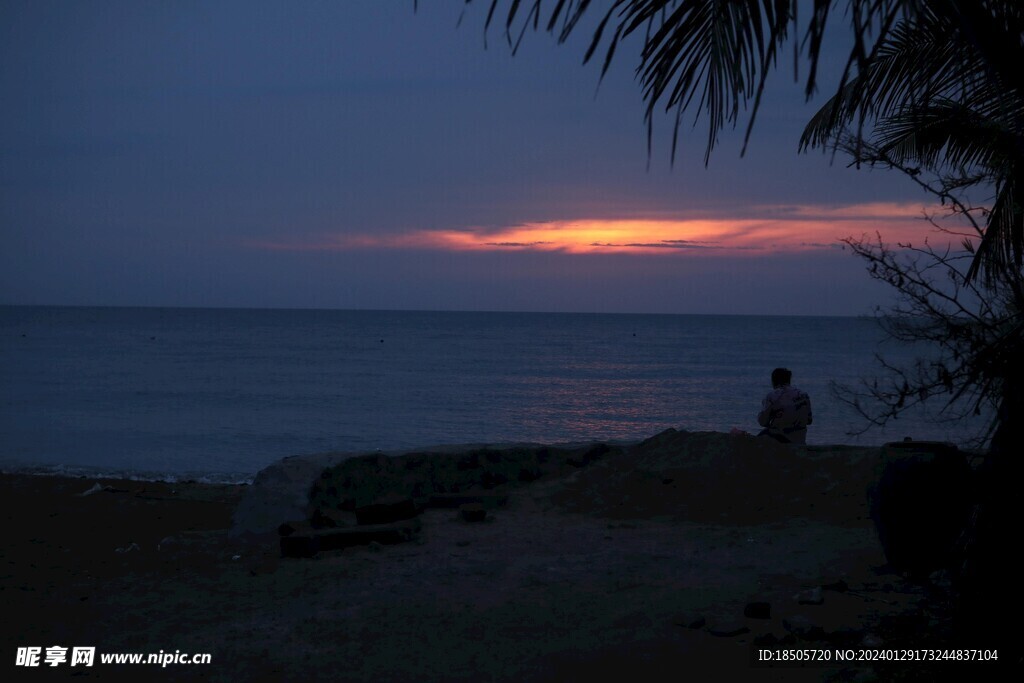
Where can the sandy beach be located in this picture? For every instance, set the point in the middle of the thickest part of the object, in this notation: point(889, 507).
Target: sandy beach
point(676, 561)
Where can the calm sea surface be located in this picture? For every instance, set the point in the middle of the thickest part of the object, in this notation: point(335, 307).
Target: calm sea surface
point(220, 394)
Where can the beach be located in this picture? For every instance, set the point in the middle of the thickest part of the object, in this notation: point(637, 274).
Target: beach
point(683, 558)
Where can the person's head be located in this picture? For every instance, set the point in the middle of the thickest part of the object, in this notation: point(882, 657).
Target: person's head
point(781, 377)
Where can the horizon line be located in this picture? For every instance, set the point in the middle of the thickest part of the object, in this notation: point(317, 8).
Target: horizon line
point(183, 307)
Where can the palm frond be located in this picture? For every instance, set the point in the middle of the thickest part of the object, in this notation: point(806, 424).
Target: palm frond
point(713, 55)
point(948, 133)
point(1002, 247)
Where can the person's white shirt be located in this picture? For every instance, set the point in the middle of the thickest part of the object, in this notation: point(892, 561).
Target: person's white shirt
point(786, 411)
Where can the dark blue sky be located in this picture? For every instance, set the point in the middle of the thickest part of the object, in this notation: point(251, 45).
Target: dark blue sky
point(359, 155)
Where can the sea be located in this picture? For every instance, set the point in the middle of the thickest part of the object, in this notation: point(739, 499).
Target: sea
point(218, 394)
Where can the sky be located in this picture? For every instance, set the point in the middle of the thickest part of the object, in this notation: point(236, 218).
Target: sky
point(363, 155)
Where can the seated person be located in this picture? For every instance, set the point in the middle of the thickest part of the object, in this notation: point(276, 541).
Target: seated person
point(785, 411)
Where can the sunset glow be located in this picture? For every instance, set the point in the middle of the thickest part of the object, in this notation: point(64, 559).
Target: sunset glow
point(772, 229)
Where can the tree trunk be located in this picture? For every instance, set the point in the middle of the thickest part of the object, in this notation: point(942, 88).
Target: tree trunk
point(989, 598)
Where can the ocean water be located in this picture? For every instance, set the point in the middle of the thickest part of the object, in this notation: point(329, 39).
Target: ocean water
point(219, 394)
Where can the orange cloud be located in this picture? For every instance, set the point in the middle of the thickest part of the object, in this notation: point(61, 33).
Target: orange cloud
point(771, 228)
point(597, 235)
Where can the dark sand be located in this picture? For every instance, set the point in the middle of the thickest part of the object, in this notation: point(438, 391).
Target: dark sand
point(555, 586)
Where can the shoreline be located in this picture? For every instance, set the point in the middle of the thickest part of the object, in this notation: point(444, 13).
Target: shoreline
point(234, 478)
point(62, 471)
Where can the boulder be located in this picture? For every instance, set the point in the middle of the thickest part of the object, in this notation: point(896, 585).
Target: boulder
point(280, 492)
point(921, 504)
point(728, 628)
point(295, 487)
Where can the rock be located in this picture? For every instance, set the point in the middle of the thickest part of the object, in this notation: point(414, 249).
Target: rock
point(279, 491)
point(811, 596)
point(728, 628)
point(327, 519)
point(840, 586)
point(386, 510)
point(941, 580)
point(472, 512)
point(96, 488)
point(758, 610)
point(167, 543)
point(307, 542)
point(293, 487)
point(770, 639)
